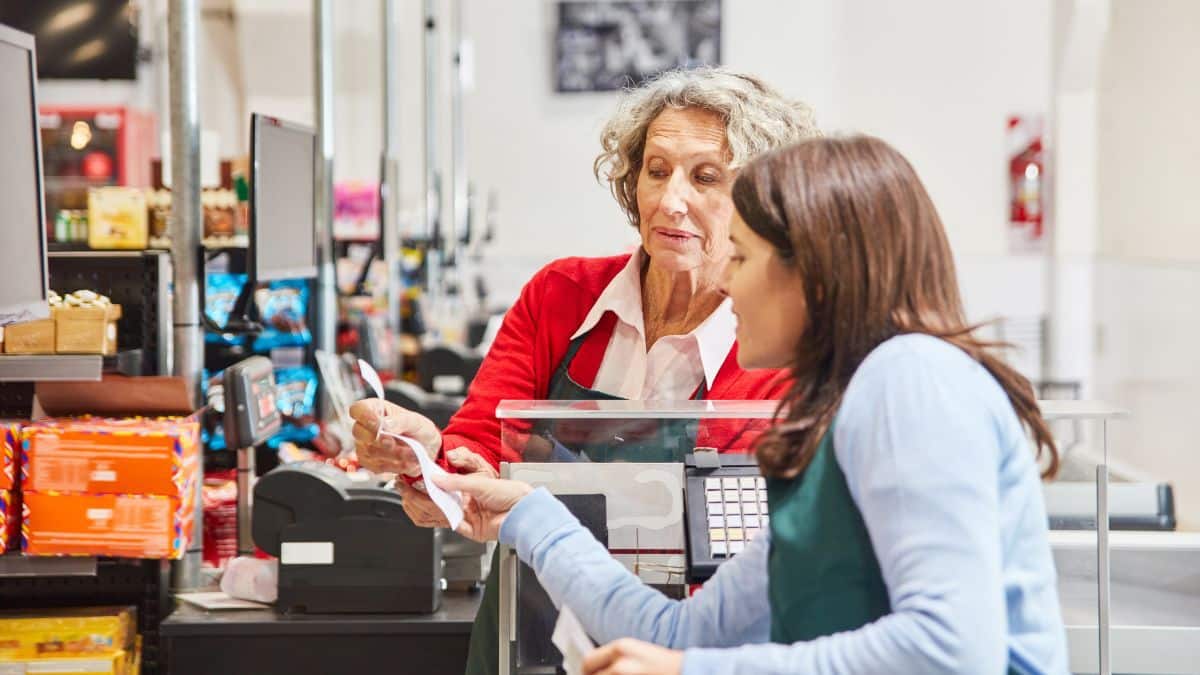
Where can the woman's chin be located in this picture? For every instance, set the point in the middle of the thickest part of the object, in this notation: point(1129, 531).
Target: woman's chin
point(673, 261)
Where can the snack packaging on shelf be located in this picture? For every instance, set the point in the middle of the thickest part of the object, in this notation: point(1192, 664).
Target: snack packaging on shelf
point(127, 526)
point(100, 455)
point(283, 306)
point(117, 218)
point(10, 520)
point(10, 452)
point(74, 640)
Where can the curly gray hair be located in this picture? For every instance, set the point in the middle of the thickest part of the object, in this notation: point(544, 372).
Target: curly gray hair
point(757, 119)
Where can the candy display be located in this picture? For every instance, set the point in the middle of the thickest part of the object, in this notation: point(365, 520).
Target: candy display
point(296, 397)
point(220, 294)
point(220, 518)
point(85, 322)
point(283, 306)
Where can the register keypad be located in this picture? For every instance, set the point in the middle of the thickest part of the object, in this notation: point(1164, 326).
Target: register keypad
point(737, 512)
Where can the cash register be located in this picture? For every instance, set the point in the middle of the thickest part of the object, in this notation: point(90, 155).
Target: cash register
point(344, 543)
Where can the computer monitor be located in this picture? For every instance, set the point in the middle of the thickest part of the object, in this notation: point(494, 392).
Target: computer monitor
point(283, 242)
point(22, 210)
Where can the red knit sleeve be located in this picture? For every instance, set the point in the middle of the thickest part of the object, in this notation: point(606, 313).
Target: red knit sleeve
point(512, 369)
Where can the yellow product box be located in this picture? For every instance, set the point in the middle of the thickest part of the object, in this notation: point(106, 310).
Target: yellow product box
point(117, 218)
point(31, 337)
point(67, 633)
point(116, 663)
point(86, 330)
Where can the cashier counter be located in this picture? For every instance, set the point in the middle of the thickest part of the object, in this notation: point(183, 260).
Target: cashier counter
point(358, 579)
point(383, 592)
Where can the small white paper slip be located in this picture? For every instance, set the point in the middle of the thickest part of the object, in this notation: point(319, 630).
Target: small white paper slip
point(572, 640)
point(450, 503)
point(372, 379)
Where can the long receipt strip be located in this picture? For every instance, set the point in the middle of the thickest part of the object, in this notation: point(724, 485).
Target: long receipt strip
point(450, 503)
point(571, 640)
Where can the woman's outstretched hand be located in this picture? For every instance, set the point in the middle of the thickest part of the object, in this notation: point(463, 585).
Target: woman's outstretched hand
point(486, 502)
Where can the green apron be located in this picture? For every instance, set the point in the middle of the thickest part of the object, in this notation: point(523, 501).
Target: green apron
point(823, 577)
point(661, 441)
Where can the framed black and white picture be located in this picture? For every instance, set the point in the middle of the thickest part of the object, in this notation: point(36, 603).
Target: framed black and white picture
point(607, 45)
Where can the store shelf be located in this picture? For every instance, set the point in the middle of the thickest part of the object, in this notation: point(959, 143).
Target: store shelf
point(56, 367)
point(226, 243)
point(72, 251)
point(13, 565)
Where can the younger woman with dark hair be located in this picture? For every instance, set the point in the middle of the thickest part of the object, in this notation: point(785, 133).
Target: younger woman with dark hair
point(907, 531)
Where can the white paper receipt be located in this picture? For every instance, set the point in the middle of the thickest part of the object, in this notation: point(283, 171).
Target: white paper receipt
point(572, 640)
point(450, 503)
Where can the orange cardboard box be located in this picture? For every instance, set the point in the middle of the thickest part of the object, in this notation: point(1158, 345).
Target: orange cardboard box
point(10, 511)
point(128, 526)
point(110, 456)
point(122, 525)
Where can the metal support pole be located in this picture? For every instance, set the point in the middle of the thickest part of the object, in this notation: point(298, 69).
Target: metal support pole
point(325, 334)
point(433, 191)
point(1102, 558)
point(245, 500)
point(389, 238)
point(182, 19)
point(458, 146)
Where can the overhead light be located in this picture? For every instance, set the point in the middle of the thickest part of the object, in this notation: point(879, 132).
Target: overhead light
point(88, 51)
point(71, 17)
point(81, 135)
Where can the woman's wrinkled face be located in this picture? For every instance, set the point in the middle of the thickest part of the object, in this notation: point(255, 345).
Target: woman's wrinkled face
point(768, 300)
point(683, 191)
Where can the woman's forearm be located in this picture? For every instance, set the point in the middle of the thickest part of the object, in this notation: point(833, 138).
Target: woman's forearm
point(611, 602)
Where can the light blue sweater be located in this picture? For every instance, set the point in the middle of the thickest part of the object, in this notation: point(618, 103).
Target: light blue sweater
point(945, 478)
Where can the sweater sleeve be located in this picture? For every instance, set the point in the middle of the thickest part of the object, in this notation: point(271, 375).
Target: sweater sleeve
point(509, 371)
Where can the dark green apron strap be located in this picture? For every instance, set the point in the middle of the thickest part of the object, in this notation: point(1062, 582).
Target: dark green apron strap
point(483, 654)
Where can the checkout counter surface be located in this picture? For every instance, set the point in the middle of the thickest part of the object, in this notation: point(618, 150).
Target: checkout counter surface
point(264, 642)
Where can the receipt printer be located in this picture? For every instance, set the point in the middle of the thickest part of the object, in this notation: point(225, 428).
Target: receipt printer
point(344, 543)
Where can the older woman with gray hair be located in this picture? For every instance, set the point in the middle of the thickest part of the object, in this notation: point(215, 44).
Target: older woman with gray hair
point(653, 325)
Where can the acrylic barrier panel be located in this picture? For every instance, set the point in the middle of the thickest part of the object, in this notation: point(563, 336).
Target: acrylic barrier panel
point(1074, 499)
point(629, 431)
point(636, 510)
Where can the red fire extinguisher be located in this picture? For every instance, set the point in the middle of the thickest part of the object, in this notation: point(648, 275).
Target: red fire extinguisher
point(1026, 176)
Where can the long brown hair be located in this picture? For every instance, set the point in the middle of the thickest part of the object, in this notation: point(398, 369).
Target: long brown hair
point(852, 218)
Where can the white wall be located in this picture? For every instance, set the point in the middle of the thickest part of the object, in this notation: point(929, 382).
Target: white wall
point(1148, 277)
point(935, 77)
